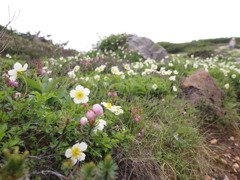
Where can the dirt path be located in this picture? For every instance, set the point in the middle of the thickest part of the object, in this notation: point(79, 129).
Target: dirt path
point(226, 154)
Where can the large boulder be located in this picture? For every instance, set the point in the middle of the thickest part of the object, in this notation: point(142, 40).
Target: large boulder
point(146, 48)
point(200, 87)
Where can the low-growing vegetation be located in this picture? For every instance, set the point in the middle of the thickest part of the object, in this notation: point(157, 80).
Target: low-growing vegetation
point(105, 115)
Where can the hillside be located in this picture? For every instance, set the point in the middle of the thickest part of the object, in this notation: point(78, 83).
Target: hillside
point(204, 48)
point(27, 46)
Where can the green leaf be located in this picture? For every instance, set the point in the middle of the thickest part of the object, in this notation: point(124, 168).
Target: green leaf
point(51, 85)
point(3, 128)
point(34, 84)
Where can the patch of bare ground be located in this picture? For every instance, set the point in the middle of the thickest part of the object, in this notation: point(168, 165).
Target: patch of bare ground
point(225, 146)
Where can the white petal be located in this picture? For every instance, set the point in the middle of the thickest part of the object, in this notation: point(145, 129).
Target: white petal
point(85, 99)
point(95, 130)
point(13, 78)
point(25, 67)
point(81, 157)
point(83, 146)
point(12, 72)
point(68, 153)
point(73, 160)
point(86, 91)
point(76, 146)
point(72, 93)
point(79, 88)
point(103, 122)
point(77, 101)
point(100, 127)
point(17, 66)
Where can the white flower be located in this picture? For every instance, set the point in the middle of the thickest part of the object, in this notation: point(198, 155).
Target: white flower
point(226, 86)
point(175, 72)
point(137, 65)
point(234, 76)
point(115, 70)
point(172, 78)
point(163, 72)
point(97, 77)
point(71, 74)
point(174, 88)
point(131, 72)
point(76, 152)
point(122, 76)
point(18, 69)
point(170, 64)
point(154, 67)
point(100, 125)
point(154, 86)
point(50, 79)
point(148, 71)
point(76, 68)
point(169, 72)
point(80, 94)
point(107, 105)
point(9, 56)
point(114, 109)
point(195, 65)
point(117, 110)
point(127, 66)
point(100, 68)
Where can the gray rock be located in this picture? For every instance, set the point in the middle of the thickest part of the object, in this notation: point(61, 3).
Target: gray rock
point(146, 48)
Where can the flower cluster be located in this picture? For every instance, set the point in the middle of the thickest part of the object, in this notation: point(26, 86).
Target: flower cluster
point(100, 68)
point(92, 114)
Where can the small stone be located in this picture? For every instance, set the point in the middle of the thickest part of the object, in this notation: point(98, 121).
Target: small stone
point(226, 177)
point(208, 178)
point(237, 158)
point(235, 166)
point(214, 141)
point(236, 144)
point(231, 138)
point(224, 161)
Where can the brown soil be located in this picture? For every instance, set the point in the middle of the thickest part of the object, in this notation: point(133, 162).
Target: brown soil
point(226, 154)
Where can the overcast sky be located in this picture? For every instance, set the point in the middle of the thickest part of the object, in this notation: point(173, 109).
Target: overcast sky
point(82, 22)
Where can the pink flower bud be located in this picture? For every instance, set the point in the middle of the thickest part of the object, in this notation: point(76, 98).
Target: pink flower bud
point(115, 93)
point(109, 93)
point(90, 114)
point(13, 83)
point(43, 72)
point(139, 134)
point(85, 105)
point(83, 121)
point(138, 118)
point(142, 131)
point(97, 108)
point(76, 80)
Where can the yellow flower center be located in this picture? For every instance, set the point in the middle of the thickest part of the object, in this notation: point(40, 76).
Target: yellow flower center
point(108, 105)
point(76, 152)
point(79, 95)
